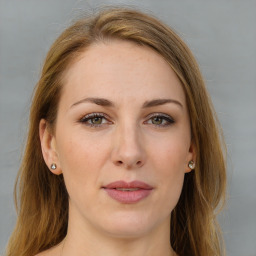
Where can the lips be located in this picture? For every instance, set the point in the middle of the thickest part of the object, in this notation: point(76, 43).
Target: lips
point(128, 185)
point(128, 192)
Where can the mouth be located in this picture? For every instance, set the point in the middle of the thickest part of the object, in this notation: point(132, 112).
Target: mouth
point(127, 189)
point(128, 192)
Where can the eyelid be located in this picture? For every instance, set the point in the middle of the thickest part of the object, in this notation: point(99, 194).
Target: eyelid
point(93, 114)
point(166, 117)
point(159, 114)
point(89, 116)
point(85, 118)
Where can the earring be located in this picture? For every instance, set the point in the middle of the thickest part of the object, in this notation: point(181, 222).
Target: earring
point(53, 166)
point(191, 164)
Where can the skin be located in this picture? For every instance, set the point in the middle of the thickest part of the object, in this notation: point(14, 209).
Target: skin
point(129, 143)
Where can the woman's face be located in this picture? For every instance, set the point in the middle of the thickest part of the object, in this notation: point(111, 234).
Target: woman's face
point(122, 139)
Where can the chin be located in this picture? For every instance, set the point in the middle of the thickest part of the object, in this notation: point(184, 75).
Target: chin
point(129, 225)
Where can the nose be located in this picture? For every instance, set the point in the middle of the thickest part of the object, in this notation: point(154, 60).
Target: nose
point(128, 150)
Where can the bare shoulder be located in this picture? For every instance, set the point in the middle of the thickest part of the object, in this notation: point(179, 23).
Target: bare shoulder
point(46, 253)
point(55, 251)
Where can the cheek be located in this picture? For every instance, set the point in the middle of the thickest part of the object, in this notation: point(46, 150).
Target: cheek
point(171, 168)
point(171, 154)
point(169, 160)
point(79, 160)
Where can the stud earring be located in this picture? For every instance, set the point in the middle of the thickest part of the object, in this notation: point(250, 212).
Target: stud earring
point(191, 164)
point(53, 166)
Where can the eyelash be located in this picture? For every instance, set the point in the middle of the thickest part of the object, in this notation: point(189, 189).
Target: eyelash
point(89, 117)
point(169, 120)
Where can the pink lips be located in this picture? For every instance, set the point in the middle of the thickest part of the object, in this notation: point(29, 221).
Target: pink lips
point(128, 192)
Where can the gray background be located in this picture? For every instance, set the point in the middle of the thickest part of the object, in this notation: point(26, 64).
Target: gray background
point(221, 34)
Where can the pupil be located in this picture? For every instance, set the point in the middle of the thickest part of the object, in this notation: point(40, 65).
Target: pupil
point(157, 120)
point(97, 120)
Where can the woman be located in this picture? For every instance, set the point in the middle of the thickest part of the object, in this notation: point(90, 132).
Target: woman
point(128, 158)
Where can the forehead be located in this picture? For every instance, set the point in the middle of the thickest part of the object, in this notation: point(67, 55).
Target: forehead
point(121, 70)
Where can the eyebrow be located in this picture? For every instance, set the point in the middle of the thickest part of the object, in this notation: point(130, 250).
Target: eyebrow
point(107, 103)
point(97, 101)
point(159, 102)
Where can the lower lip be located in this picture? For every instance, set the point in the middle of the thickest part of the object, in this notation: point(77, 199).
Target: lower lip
point(128, 197)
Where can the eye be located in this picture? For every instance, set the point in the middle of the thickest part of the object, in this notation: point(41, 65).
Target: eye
point(160, 120)
point(95, 120)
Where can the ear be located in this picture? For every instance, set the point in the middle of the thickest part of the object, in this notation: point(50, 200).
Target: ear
point(48, 146)
point(191, 157)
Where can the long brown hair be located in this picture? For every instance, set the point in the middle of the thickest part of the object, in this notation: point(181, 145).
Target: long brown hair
point(42, 198)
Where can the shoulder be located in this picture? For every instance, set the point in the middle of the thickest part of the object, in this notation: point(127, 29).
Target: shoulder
point(55, 251)
point(46, 253)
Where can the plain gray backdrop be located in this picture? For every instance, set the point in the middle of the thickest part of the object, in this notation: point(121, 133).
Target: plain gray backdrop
point(222, 36)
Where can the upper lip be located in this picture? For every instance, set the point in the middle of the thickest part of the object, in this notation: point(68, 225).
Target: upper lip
point(124, 184)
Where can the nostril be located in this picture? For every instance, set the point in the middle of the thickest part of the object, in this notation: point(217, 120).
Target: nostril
point(119, 162)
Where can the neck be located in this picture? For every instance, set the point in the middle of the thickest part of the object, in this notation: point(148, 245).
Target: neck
point(79, 242)
point(126, 234)
point(124, 247)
